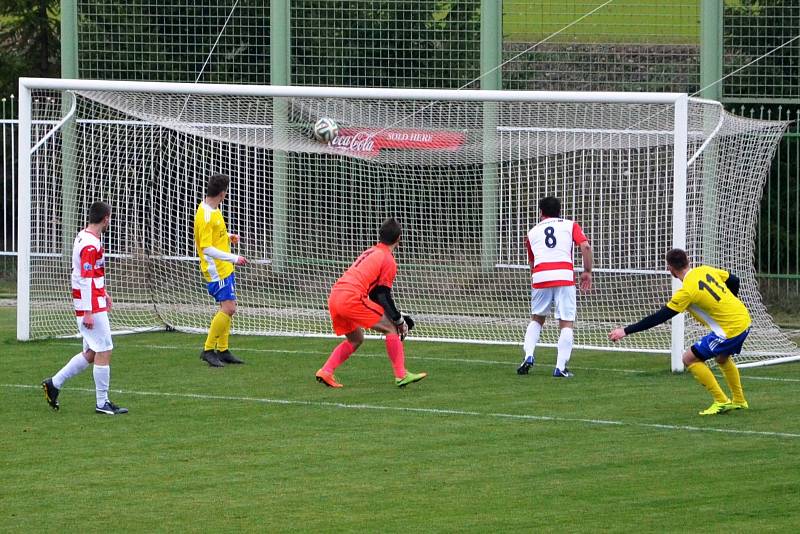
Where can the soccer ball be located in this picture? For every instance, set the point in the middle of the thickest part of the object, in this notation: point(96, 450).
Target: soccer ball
point(326, 130)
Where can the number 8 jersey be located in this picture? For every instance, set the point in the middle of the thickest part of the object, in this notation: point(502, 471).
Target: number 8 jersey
point(549, 245)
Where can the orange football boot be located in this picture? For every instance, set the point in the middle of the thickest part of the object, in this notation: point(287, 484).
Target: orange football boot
point(324, 377)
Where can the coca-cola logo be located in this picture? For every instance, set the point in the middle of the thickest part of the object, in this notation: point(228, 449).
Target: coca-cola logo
point(370, 141)
point(355, 142)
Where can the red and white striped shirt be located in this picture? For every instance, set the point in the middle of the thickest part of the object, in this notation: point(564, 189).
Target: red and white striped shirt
point(549, 245)
point(88, 274)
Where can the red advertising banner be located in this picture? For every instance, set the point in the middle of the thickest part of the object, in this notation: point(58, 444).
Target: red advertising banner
point(370, 141)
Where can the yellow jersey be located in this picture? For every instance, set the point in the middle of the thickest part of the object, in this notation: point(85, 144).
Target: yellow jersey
point(705, 295)
point(210, 231)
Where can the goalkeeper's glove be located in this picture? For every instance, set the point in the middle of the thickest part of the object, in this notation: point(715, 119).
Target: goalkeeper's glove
point(409, 324)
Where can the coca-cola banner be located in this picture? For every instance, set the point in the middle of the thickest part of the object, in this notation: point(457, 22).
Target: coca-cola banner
point(370, 141)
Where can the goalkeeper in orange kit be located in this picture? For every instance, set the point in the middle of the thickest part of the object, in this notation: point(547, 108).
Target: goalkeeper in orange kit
point(362, 298)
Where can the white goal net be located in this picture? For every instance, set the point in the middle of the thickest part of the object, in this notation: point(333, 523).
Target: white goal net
point(462, 171)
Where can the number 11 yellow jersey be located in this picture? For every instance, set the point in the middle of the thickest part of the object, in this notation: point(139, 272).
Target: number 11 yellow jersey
point(705, 295)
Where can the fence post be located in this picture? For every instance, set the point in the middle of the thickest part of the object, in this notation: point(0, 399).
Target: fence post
point(69, 69)
point(491, 78)
point(711, 49)
point(711, 56)
point(280, 74)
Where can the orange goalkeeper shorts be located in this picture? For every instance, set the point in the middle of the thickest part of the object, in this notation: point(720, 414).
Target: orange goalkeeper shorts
point(350, 311)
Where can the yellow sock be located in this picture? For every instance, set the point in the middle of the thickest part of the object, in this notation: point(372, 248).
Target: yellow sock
point(704, 375)
point(222, 341)
point(219, 325)
point(731, 374)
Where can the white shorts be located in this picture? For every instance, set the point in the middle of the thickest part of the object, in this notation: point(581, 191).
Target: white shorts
point(543, 298)
point(98, 338)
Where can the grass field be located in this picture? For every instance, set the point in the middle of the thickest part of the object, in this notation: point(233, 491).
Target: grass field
point(8, 289)
point(473, 448)
point(623, 21)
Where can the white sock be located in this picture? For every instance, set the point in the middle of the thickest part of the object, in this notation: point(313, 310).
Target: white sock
point(564, 348)
point(76, 365)
point(102, 377)
point(531, 338)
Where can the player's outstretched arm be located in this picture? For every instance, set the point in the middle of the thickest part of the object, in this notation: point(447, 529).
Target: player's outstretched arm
point(661, 316)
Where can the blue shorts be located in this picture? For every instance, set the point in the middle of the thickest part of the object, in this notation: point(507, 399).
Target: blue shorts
point(225, 289)
point(712, 346)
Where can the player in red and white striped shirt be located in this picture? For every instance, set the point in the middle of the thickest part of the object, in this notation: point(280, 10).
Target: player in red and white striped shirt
point(92, 304)
point(550, 245)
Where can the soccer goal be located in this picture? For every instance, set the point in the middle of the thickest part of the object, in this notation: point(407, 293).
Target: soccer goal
point(462, 170)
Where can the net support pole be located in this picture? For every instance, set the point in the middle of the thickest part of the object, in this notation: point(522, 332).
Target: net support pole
point(280, 74)
point(24, 211)
point(680, 139)
point(711, 50)
point(69, 69)
point(491, 79)
point(69, 39)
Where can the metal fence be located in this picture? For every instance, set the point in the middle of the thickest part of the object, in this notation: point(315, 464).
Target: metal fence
point(643, 45)
point(8, 151)
point(778, 233)
point(628, 45)
point(754, 29)
point(778, 241)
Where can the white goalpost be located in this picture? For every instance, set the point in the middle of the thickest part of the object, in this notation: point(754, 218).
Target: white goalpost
point(462, 170)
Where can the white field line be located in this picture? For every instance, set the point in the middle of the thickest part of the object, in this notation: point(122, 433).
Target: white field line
point(428, 358)
point(376, 355)
point(770, 378)
point(432, 411)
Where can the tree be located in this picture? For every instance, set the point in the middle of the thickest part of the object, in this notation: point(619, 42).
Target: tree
point(29, 41)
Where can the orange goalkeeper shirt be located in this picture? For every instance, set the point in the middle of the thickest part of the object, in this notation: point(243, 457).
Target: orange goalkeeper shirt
point(375, 267)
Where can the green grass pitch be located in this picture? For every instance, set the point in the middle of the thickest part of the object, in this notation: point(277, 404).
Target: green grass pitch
point(622, 21)
point(473, 448)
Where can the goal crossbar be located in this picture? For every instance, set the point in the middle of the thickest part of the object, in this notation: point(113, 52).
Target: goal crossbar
point(453, 95)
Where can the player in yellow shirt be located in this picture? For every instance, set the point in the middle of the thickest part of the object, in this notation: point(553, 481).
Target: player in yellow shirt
point(213, 244)
point(711, 296)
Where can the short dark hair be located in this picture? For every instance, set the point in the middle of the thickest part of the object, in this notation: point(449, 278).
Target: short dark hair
point(217, 184)
point(98, 211)
point(550, 206)
point(390, 231)
point(677, 259)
